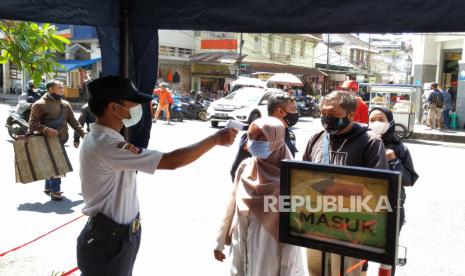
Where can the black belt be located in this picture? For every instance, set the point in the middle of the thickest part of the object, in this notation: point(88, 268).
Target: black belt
point(100, 221)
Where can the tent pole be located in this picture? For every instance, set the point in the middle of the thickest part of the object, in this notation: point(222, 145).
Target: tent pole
point(124, 38)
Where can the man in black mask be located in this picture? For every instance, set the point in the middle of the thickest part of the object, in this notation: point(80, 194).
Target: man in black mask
point(343, 142)
point(50, 116)
point(283, 107)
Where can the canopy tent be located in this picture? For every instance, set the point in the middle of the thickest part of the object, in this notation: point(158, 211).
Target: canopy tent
point(74, 64)
point(128, 37)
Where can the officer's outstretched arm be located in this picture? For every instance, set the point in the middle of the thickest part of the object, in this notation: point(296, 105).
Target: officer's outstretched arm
point(184, 156)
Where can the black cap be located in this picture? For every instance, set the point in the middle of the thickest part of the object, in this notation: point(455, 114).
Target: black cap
point(116, 88)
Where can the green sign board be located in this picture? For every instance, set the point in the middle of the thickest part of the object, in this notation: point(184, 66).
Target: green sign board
point(344, 210)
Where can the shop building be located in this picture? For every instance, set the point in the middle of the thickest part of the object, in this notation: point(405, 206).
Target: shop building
point(439, 58)
point(175, 51)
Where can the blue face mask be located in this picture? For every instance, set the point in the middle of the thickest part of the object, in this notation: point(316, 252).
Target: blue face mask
point(259, 149)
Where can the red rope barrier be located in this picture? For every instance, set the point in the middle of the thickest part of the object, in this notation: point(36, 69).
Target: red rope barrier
point(70, 272)
point(359, 264)
point(40, 237)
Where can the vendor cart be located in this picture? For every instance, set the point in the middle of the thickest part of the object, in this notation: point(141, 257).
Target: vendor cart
point(403, 101)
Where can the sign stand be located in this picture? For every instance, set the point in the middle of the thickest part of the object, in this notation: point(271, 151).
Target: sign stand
point(342, 265)
point(324, 264)
point(305, 228)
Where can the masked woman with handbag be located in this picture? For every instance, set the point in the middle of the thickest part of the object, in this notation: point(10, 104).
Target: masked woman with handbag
point(251, 232)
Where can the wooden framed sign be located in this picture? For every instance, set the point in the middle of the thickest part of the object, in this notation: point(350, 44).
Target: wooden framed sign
point(349, 211)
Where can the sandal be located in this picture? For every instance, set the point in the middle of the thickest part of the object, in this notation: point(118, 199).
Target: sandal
point(56, 196)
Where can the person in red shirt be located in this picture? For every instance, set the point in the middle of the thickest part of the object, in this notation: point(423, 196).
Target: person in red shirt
point(361, 113)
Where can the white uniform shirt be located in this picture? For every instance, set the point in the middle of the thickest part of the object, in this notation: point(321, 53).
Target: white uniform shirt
point(108, 173)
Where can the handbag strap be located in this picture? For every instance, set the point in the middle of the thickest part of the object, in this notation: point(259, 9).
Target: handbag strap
point(28, 157)
point(66, 156)
point(50, 153)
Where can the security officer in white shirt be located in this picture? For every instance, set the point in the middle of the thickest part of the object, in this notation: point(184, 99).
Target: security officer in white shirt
point(109, 242)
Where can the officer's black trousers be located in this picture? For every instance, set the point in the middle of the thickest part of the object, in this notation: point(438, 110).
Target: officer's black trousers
point(107, 248)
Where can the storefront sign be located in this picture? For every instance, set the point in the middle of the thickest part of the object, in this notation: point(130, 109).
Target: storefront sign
point(218, 44)
point(211, 70)
point(15, 74)
point(343, 210)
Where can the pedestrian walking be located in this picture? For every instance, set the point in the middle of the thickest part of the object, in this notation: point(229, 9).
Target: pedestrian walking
point(361, 112)
point(283, 107)
point(50, 116)
point(164, 102)
point(110, 240)
point(436, 103)
point(255, 246)
point(342, 142)
point(32, 92)
point(398, 155)
point(447, 107)
point(85, 119)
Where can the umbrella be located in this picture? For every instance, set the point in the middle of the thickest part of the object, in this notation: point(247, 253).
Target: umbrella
point(245, 81)
point(285, 78)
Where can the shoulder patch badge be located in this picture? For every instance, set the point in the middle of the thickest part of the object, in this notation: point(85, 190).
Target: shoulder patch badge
point(129, 147)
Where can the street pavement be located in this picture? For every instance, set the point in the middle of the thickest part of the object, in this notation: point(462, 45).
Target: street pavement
point(181, 210)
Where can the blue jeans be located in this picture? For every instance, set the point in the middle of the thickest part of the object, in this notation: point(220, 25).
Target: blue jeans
point(53, 184)
point(445, 118)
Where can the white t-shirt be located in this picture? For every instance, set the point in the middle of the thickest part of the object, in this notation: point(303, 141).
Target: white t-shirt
point(108, 173)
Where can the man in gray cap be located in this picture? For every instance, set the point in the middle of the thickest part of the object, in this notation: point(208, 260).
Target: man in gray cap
point(110, 240)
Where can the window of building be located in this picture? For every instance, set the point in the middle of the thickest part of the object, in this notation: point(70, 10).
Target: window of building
point(302, 48)
point(175, 52)
point(293, 42)
point(270, 43)
point(450, 69)
point(257, 43)
point(282, 46)
point(184, 52)
point(352, 54)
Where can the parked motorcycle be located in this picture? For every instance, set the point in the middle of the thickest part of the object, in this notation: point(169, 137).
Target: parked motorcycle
point(18, 118)
point(308, 106)
point(194, 109)
point(17, 121)
point(176, 109)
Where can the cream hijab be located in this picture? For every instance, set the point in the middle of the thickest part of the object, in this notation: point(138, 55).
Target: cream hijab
point(261, 177)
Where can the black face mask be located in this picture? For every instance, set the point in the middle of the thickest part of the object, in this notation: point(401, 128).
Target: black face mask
point(291, 119)
point(56, 97)
point(334, 124)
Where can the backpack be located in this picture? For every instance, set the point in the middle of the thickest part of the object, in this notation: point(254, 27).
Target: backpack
point(438, 100)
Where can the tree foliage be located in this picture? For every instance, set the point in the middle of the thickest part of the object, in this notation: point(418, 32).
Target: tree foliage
point(31, 47)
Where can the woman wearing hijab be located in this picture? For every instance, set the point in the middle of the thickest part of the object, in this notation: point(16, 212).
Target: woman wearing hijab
point(381, 122)
point(251, 232)
point(398, 155)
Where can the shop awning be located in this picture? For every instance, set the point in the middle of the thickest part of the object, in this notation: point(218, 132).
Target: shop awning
point(281, 68)
point(74, 64)
point(215, 57)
